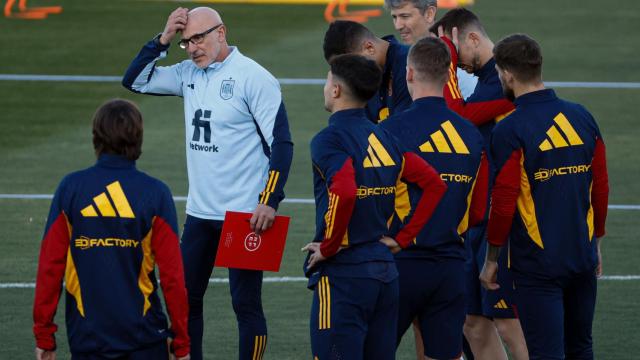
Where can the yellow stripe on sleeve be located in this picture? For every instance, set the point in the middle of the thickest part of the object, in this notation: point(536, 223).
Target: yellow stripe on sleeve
point(255, 348)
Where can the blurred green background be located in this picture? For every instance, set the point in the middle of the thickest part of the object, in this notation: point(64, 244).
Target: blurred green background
point(46, 133)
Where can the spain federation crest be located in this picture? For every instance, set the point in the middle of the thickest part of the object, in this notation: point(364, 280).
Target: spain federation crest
point(252, 242)
point(226, 89)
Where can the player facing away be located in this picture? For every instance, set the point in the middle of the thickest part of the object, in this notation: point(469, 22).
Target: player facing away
point(239, 153)
point(108, 227)
point(471, 49)
point(549, 202)
point(412, 19)
point(454, 147)
point(350, 37)
point(351, 269)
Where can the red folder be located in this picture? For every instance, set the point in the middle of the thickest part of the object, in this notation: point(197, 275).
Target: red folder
point(241, 248)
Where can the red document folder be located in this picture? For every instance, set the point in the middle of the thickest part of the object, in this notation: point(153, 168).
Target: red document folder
point(241, 248)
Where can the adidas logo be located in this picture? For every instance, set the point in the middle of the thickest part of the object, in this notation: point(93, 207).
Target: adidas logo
point(439, 143)
point(501, 305)
point(377, 156)
point(555, 139)
point(105, 204)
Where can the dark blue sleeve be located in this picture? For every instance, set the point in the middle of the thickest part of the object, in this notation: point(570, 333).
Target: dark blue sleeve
point(503, 143)
point(280, 157)
point(149, 52)
point(143, 76)
point(327, 155)
point(401, 99)
point(167, 207)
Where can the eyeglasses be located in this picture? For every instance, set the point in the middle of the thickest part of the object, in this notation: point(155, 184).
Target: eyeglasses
point(197, 38)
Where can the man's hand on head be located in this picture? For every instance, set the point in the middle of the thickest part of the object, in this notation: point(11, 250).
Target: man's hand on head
point(176, 22)
point(453, 36)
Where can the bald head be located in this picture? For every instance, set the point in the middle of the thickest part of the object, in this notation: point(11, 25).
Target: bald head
point(201, 19)
point(209, 37)
point(205, 13)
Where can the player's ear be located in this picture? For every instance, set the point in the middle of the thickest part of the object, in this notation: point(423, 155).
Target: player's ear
point(368, 48)
point(221, 33)
point(473, 38)
point(507, 76)
point(410, 73)
point(430, 14)
point(336, 91)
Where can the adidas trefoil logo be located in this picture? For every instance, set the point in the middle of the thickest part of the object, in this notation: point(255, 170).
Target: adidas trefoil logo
point(439, 143)
point(555, 139)
point(113, 205)
point(377, 155)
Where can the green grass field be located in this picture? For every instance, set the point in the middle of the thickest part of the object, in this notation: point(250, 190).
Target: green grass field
point(46, 133)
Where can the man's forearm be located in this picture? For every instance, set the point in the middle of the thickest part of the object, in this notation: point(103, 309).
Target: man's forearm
point(493, 252)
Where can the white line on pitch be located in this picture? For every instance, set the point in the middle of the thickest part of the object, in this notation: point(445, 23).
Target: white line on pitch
point(287, 200)
point(299, 81)
point(290, 279)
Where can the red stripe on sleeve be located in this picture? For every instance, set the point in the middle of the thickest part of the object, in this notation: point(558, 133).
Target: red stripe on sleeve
point(419, 172)
point(478, 205)
point(165, 246)
point(477, 112)
point(504, 197)
point(342, 194)
point(51, 268)
point(600, 188)
point(452, 50)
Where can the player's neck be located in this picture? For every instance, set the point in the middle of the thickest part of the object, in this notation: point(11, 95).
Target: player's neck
point(382, 47)
point(224, 53)
point(420, 91)
point(486, 52)
point(346, 105)
point(520, 89)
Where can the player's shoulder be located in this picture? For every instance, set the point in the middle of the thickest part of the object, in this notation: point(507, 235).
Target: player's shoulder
point(151, 183)
point(250, 68)
point(79, 177)
point(186, 67)
point(575, 107)
point(386, 131)
point(459, 121)
point(464, 126)
point(321, 137)
point(325, 136)
point(512, 123)
point(398, 50)
point(326, 141)
point(393, 123)
point(578, 113)
point(393, 141)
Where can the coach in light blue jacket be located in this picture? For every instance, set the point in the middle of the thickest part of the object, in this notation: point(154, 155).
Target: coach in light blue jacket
point(239, 152)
